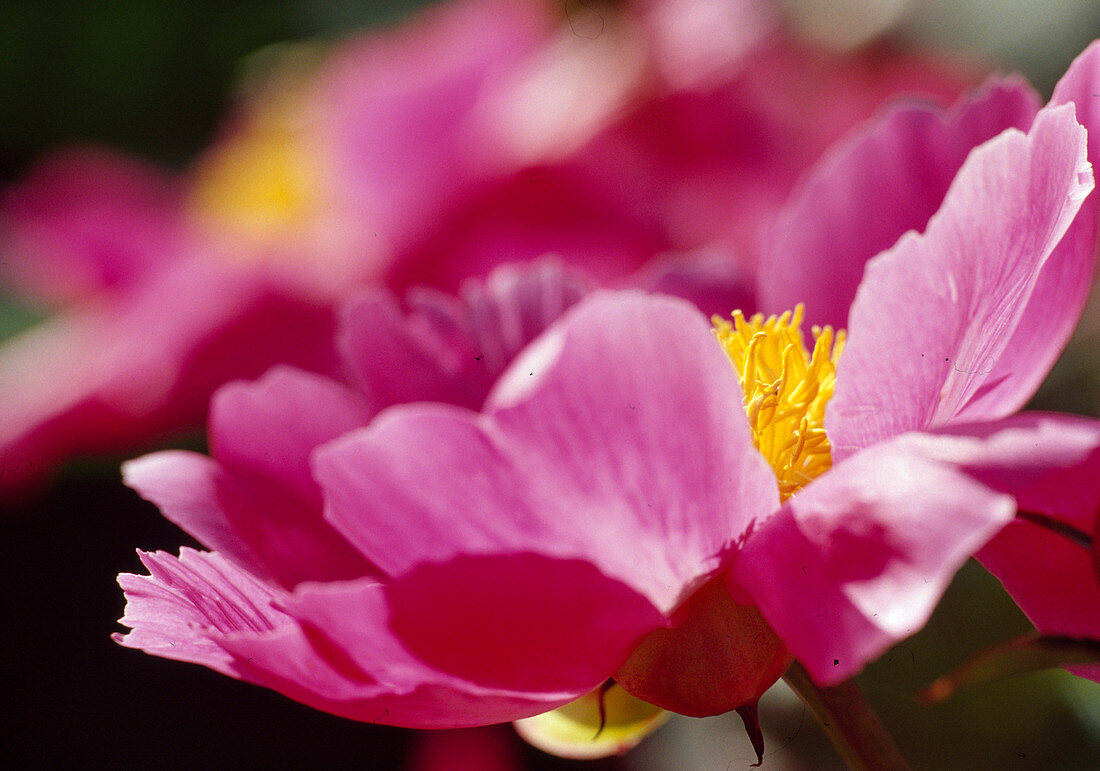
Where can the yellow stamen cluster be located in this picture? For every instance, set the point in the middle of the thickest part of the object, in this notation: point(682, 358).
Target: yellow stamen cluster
point(786, 388)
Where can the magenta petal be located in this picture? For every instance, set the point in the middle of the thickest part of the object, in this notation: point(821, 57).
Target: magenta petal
point(617, 438)
point(179, 610)
point(515, 304)
point(850, 565)
point(399, 108)
point(1052, 579)
point(184, 486)
point(87, 221)
point(1050, 464)
point(258, 502)
point(200, 608)
point(520, 623)
point(711, 280)
point(271, 426)
point(147, 365)
point(349, 625)
point(451, 349)
point(1050, 315)
point(933, 315)
point(886, 180)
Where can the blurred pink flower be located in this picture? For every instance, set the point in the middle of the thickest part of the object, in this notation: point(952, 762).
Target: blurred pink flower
point(482, 132)
point(608, 512)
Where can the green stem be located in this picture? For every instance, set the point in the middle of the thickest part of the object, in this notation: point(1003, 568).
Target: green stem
point(849, 722)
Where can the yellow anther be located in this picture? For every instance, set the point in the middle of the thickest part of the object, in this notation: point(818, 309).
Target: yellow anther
point(786, 388)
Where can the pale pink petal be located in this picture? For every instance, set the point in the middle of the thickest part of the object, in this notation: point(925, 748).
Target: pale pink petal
point(1049, 463)
point(271, 426)
point(85, 221)
point(618, 438)
point(184, 604)
point(850, 565)
point(184, 486)
point(857, 201)
point(931, 319)
point(516, 303)
point(1055, 306)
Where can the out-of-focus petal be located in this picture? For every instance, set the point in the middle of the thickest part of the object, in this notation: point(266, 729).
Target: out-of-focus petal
point(710, 280)
point(451, 349)
point(884, 181)
point(933, 314)
point(850, 565)
point(147, 367)
point(635, 458)
point(87, 221)
point(399, 107)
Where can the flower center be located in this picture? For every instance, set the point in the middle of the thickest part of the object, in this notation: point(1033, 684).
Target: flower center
point(786, 388)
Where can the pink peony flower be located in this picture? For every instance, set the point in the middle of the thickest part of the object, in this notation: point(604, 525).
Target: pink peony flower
point(607, 512)
point(405, 157)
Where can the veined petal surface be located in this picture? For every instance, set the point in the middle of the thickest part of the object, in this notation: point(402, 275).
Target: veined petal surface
point(933, 314)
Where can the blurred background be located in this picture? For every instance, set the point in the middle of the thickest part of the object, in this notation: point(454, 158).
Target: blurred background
point(154, 78)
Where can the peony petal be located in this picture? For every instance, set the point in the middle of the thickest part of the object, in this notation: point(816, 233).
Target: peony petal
point(710, 280)
point(521, 623)
point(399, 105)
point(1050, 315)
point(271, 426)
point(200, 608)
point(850, 565)
point(353, 621)
point(1047, 462)
point(516, 303)
point(184, 604)
point(1050, 464)
point(148, 365)
point(933, 314)
point(260, 523)
point(632, 411)
point(87, 221)
point(618, 437)
point(184, 486)
point(887, 179)
point(1052, 579)
point(447, 349)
